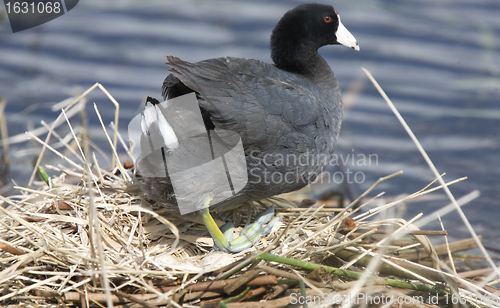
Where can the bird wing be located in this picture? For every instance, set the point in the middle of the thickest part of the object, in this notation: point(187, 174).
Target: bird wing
point(255, 99)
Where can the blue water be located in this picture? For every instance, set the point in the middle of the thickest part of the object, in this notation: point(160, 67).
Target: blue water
point(437, 60)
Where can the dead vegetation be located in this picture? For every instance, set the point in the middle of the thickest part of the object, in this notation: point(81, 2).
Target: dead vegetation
point(80, 239)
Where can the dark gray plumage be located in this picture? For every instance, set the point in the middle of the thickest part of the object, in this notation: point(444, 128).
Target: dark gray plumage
point(289, 123)
point(288, 115)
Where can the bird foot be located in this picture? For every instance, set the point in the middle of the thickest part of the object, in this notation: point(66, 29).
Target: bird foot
point(248, 236)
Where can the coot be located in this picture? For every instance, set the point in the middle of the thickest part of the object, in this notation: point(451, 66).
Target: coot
point(287, 114)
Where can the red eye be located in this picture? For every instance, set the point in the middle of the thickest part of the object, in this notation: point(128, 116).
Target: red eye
point(327, 19)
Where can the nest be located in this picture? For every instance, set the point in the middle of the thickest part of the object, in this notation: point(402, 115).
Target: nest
point(82, 239)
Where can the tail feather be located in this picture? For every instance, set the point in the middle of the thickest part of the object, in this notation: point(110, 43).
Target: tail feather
point(154, 123)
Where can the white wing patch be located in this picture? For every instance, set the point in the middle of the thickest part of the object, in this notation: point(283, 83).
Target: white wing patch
point(153, 119)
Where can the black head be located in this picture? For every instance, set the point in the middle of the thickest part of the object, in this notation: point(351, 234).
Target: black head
point(302, 30)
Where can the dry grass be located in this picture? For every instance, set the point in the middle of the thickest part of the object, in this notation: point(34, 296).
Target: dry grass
point(85, 241)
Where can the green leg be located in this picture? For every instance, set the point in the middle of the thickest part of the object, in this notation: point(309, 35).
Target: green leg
point(222, 238)
point(219, 238)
